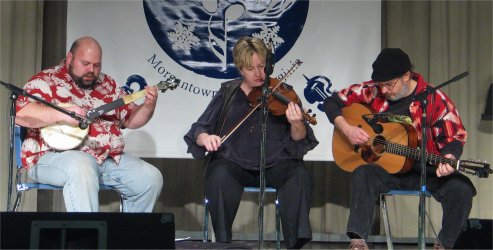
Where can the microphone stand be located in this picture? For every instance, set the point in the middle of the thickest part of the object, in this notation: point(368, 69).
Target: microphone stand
point(263, 143)
point(422, 192)
point(13, 98)
point(422, 98)
point(15, 93)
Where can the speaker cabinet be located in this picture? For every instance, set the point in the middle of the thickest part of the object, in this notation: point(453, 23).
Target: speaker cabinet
point(476, 234)
point(86, 230)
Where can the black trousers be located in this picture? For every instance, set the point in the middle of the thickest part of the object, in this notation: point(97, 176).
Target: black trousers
point(224, 183)
point(454, 192)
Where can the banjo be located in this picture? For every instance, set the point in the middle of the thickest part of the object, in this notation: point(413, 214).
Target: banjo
point(64, 137)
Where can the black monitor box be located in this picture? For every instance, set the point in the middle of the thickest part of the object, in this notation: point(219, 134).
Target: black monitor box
point(476, 234)
point(59, 230)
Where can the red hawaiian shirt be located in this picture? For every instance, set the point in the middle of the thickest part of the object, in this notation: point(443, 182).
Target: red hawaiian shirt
point(445, 123)
point(55, 85)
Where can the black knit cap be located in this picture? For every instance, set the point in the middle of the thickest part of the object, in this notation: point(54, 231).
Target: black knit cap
point(390, 63)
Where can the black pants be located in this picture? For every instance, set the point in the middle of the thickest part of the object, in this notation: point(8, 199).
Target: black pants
point(454, 192)
point(224, 183)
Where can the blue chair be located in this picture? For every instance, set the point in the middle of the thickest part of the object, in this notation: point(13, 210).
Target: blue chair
point(21, 186)
point(385, 215)
point(248, 190)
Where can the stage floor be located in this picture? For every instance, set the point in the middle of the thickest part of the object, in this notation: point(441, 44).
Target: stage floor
point(192, 244)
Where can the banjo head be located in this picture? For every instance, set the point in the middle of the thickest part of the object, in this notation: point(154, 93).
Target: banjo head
point(63, 137)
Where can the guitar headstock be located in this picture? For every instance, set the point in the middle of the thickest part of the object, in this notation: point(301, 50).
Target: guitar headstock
point(166, 84)
point(478, 168)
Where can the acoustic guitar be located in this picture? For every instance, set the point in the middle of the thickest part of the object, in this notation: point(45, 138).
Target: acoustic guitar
point(394, 149)
point(65, 137)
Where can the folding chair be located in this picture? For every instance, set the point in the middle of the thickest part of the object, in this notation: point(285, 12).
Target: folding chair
point(248, 190)
point(22, 186)
point(383, 205)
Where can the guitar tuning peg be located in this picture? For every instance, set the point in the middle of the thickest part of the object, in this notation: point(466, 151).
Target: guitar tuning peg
point(309, 111)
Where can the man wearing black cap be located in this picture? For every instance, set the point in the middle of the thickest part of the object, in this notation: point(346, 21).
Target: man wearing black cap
point(393, 84)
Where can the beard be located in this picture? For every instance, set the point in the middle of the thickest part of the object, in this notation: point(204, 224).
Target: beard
point(79, 80)
point(401, 94)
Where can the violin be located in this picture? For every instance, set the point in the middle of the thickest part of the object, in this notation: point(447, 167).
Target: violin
point(278, 99)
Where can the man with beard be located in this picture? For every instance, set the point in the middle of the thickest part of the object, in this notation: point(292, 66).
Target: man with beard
point(393, 89)
point(99, 158)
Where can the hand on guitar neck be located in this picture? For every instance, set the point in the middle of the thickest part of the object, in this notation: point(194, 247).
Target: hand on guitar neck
point(444, 169)
point(143, 113)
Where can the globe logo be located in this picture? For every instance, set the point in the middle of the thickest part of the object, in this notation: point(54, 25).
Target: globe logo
point(200, 34)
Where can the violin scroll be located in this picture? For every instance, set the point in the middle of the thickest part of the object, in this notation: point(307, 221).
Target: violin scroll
point(310, 118)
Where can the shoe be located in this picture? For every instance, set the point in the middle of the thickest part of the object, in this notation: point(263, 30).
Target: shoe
point(358, 244)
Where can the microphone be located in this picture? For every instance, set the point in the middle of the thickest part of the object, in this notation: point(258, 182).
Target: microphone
point(268, 69)
point(83, 124)
point(372, 122)
point(269, 61)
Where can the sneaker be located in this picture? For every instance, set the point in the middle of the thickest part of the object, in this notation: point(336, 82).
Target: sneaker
point(358, 244)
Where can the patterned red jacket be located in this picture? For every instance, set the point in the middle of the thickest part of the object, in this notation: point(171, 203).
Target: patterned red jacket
point(445, 123)
point(104, 139)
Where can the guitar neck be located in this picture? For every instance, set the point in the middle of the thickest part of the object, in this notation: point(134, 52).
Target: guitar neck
point(415, 153)
point(115, 104)
point(135, 96)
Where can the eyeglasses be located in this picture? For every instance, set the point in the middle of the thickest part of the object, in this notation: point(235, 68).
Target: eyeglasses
point(389, 86)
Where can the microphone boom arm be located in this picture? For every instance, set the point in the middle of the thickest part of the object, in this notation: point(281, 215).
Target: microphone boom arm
point(83, 123)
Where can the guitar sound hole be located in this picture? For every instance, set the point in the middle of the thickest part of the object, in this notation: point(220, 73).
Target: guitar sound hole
point(378, 145)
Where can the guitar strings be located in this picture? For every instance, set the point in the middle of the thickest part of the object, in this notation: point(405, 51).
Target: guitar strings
point(399, 149)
